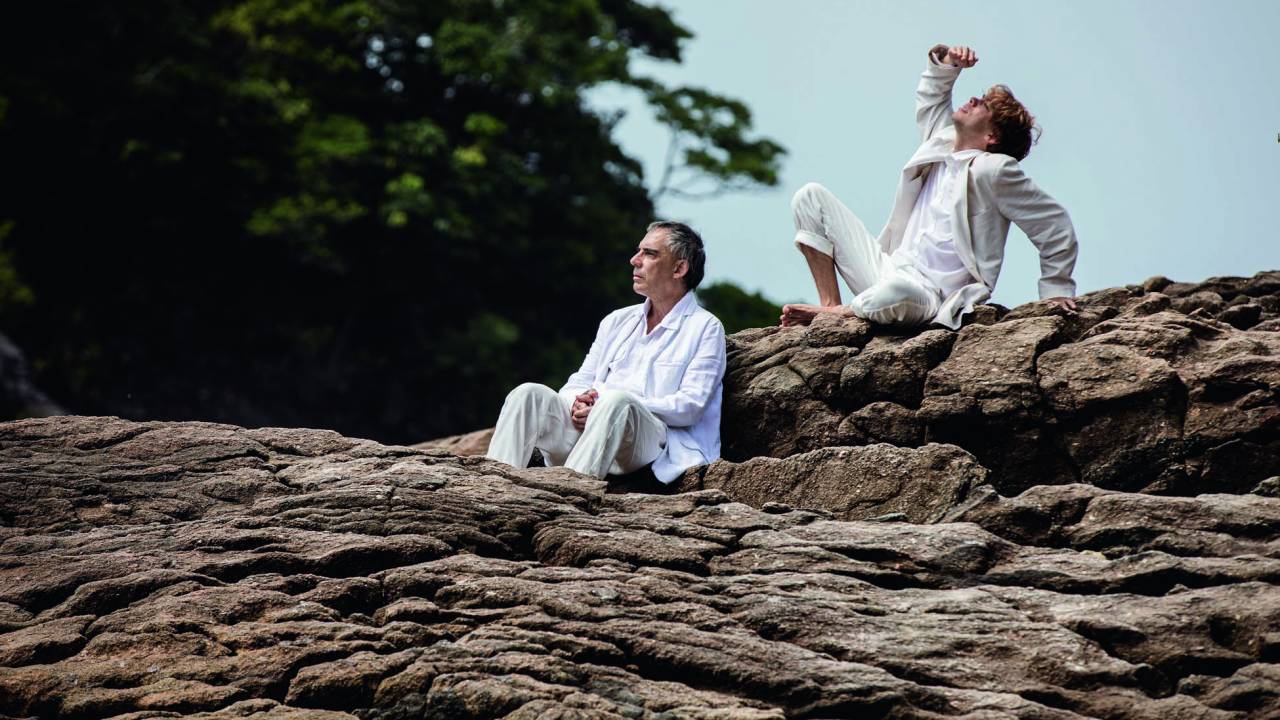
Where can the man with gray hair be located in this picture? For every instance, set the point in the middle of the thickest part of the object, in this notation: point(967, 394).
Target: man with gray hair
point(649, 389)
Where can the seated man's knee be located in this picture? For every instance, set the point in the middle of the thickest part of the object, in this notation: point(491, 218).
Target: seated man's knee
point(525, 392)
point(808, 195)
point(613, 401)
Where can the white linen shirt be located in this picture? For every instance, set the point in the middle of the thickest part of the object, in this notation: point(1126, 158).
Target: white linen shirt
point(929, 244)
point(676, 371)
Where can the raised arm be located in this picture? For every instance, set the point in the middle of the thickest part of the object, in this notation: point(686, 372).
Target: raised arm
point(933, 94)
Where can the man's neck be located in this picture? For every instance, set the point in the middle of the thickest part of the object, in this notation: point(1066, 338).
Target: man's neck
point(658, 310)
point(966, 142)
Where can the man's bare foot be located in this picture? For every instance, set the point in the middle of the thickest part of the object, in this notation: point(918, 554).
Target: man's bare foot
point(801, 314)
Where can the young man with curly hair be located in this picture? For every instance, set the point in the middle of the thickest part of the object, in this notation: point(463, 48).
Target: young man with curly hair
point(941, 251)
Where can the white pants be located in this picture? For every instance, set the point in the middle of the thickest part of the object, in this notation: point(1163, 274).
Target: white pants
point(621, 435)
point(882, 292)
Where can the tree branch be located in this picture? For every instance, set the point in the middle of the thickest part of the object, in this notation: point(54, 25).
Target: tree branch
point(672, 147)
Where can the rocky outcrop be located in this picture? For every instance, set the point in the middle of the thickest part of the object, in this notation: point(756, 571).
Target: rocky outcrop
point(1043, 515)
point(161, 569)
point(1167, 388)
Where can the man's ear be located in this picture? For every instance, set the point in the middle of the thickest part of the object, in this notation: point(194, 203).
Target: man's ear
point(993, 138)
point(681, 269)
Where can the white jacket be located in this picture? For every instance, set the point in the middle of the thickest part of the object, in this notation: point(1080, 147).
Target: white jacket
point(998, 192)
point(683, 386)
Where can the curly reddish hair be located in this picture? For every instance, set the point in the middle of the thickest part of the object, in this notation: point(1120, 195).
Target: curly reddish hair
point(1015, 128)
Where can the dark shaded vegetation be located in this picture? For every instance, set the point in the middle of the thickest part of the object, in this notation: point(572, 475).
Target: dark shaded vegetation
point(373, 216)
point(737, 308)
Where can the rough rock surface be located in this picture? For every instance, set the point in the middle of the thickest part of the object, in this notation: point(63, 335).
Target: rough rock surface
point(852, 483)
point(1163, 387)
point(162, 569)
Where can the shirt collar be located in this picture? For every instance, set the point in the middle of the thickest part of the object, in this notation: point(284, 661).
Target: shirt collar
point(685, 306)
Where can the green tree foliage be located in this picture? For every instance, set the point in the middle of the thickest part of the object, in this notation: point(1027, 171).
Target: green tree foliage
point(372, 215)
point(737, 308)
point(709, 153)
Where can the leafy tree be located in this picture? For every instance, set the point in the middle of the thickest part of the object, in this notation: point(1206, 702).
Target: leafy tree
point(371, 215)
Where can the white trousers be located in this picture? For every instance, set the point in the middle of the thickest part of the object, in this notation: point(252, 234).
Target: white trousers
point(883, 293)
point(621, 435)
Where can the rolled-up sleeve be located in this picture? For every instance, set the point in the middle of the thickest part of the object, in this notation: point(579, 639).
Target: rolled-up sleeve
point(1046, 224)
point(701, 378)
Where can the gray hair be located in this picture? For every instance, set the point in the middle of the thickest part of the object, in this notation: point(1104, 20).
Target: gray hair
point(686, 244)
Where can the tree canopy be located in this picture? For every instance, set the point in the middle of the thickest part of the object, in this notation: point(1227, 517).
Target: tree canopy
point(374, 216)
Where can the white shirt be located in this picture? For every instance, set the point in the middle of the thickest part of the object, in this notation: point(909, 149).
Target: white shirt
point(929, 239)
point(677, 372)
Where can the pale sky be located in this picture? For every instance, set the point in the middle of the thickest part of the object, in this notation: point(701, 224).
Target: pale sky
point(1160, 119)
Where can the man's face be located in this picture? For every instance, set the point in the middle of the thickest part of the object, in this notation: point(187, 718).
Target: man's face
point(974, 116)
point(654, 268)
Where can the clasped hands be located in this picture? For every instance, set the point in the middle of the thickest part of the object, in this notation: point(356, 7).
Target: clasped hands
point(582, 405)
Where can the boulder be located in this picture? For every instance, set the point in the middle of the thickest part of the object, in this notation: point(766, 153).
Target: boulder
point(852, 483)
point(1163, 387)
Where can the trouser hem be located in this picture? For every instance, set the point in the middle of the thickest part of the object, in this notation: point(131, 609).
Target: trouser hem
point(815, 241)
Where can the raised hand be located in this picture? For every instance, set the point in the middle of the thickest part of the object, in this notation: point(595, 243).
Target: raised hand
point(961, 56)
